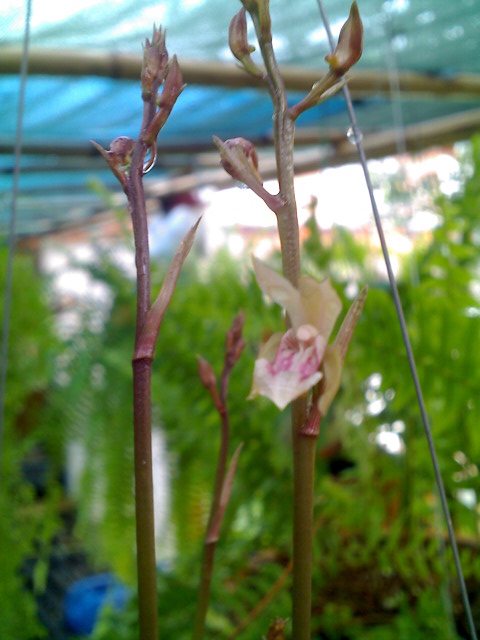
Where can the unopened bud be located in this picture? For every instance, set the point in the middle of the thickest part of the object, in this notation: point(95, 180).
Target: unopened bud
point(239, 46)
point(239, 158)
point(155, 60)
point(350, 44)
point(234, 343)
point(118, 157)
point(172, 88)
point(206, 373)
point(121, 151)
point(173, 85)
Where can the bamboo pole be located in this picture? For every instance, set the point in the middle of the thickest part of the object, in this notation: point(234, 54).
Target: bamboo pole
point(336, 149)
point(72, 62)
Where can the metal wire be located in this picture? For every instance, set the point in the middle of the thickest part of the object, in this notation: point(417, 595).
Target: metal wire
point(357, 137)
point(12, 226)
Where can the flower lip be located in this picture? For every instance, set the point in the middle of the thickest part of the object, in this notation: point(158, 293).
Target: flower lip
point(288, 364)
point(306, 332)
point(289, 369)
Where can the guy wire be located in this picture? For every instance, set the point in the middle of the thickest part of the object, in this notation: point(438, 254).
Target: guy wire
point(357, 137)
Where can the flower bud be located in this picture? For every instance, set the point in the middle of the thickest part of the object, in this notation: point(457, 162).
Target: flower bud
point(237, 39)
point(155, 60)
point(239, 158)
point(172, 88)
point(206, 373)
point(350, 44)
point(234, 343)
point(173, 85)
point(121, 151)
point(118, 157)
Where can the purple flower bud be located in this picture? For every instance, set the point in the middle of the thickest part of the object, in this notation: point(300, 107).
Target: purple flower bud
point(121, 151)
point(173, 85)
point(237, 36)
point(206, 373)
point(234, 343)
point(172, 88)
point(239, 46)
point(118, 157)
point(241, 159)
point(350, 44)
point(155, 60)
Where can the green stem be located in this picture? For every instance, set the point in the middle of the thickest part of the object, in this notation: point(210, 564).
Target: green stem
point(142, 418)
point(209, 547)
point(284, 137)
point(303, 446)
point(304, 450)
point(203, 600)
point(146, 564)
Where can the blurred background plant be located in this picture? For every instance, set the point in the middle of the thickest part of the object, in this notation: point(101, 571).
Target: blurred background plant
point(381, 567)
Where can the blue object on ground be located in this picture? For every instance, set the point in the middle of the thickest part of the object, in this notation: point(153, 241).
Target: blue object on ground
point(85, 599)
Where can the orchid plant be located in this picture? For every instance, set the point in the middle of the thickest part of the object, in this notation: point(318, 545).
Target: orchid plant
point(298, 367)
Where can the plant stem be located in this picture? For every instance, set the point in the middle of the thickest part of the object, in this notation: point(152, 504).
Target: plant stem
point(209, 547)
point(303, 446)
point(142, 369)
point(146, 564)
point(203, 600)
point(304, 450)
point(283, 135)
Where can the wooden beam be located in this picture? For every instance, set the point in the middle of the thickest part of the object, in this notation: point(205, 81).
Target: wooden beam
point(70, 62)
point(445, 130)
point(314, 155)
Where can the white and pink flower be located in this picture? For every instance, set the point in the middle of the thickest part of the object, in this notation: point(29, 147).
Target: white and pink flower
point(288, 364)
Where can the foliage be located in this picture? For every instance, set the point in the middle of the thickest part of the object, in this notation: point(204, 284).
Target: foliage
point(99, 375)
point(380, 566)
point(26, 524)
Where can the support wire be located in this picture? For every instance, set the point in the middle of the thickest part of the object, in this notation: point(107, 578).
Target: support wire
point(12, 226)
point(357, 137)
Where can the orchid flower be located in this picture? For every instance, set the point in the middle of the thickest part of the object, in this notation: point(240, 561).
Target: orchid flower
point(290, 364)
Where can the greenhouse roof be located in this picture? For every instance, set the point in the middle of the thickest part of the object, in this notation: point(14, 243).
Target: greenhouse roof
point(417, 84)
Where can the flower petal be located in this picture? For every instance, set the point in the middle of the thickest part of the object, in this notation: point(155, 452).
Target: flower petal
point(332, 367)
point(270, 348)
point(321, 304)
point(281, 291)
point(282, 388)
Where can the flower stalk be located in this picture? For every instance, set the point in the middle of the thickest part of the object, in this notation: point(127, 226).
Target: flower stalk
point(290, 365)
point(224, 477)
point(128, 161)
